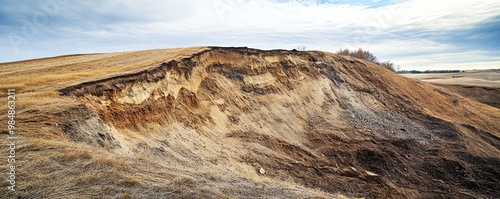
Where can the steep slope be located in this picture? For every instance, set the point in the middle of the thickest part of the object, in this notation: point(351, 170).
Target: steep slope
point(238, 122)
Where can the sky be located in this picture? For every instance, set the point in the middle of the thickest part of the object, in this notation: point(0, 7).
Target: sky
point(413, 34)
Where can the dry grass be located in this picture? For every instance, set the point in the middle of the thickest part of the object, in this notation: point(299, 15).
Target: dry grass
point(96, 171)
point(489, 95)
point(50, 73)
point(75, 155)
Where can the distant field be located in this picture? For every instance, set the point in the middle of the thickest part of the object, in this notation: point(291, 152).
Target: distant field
point(481, 86)
point(484, 78)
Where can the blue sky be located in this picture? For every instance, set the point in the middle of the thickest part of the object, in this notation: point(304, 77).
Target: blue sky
point(415, 34)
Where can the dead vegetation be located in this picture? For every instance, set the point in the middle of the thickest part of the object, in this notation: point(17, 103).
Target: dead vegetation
point(203, 122)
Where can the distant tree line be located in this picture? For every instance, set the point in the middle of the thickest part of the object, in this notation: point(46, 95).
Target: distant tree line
point(427, 71)
point(366, 55)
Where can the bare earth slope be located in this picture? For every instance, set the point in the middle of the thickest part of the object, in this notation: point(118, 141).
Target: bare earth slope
point(236, 122)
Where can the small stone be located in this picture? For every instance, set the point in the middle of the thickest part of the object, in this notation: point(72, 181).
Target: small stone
point(371, 173)
point(262, 171)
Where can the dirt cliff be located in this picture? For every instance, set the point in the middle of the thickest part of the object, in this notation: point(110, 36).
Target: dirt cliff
point(240, 122)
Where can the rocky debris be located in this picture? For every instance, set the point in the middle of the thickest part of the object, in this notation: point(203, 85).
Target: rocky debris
point(371, 173)
point(85, 125)
point(262, 171)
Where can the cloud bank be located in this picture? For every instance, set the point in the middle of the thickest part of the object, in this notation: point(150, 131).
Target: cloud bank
point(416, 34)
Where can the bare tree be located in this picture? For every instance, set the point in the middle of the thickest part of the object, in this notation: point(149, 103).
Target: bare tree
point(366, 55)
point(301, 48)
point(388, 65)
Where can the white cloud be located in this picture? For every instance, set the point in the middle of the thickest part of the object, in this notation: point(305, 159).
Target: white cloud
point(397, 32)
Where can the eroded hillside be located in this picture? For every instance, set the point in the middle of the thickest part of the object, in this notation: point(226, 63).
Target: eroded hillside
point(238, 122)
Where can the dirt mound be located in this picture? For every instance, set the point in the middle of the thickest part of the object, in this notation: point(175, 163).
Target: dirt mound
point(240, 122)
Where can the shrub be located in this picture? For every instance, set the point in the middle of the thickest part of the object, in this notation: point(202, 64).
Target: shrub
point(366, 55)
point(388, 65)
